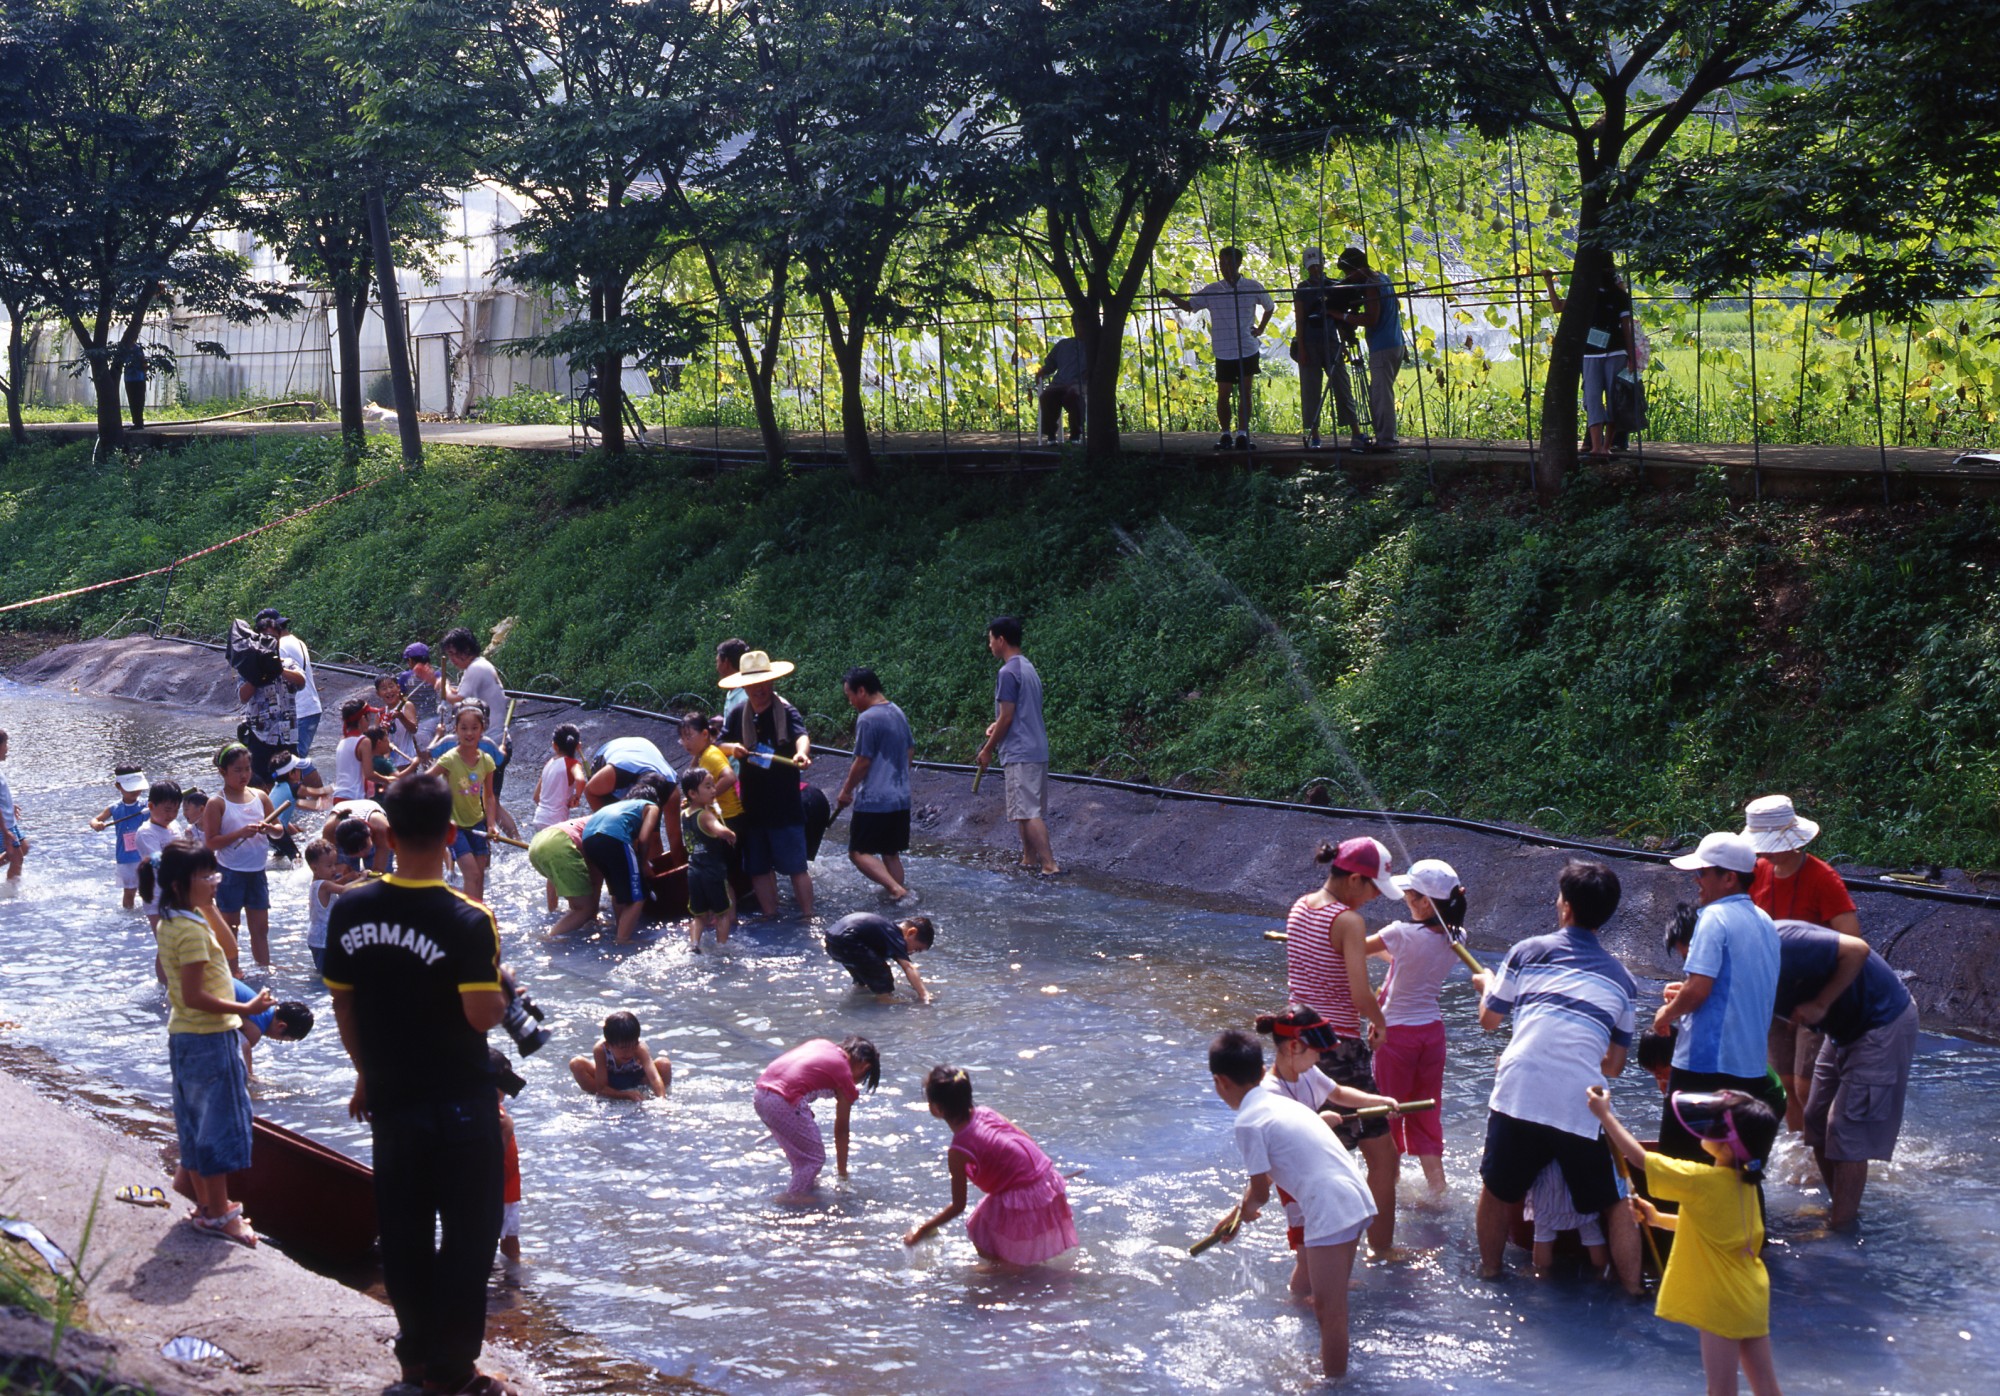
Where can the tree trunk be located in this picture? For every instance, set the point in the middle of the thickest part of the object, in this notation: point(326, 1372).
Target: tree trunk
point(350, 304)
point(767, 421)
point(1107, 360)
point(605, 301)
point(403, 387)
point(106, 379)
point(1562, 387)
point(849, 340)
point(17, 360)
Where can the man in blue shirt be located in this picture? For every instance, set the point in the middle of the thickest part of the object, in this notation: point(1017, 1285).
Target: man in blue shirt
point(1018, 737)
point(1727, 997)
point(878, 785)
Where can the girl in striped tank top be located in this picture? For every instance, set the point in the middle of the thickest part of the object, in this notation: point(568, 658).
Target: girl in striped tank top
point(1326, 968)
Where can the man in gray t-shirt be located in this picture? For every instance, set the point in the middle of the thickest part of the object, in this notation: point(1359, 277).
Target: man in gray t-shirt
point(1019, 739)
point(878, 785)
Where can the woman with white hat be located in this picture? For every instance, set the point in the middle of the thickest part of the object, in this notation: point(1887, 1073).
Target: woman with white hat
point(1792, 885)
point(1409, 1065)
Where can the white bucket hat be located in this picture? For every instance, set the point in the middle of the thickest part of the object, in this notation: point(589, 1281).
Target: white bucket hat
point(1720, 850)
point(1773, 826)
point(1431, 876)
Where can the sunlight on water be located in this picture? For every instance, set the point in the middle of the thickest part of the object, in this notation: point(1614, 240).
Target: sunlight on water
point(652, 1227)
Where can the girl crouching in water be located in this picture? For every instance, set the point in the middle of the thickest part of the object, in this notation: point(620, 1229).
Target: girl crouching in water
point(1025, 1218)
point(789, 1086)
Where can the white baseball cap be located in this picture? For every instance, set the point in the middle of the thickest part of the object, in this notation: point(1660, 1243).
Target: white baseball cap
point(1720, 850)
point(132, 783)
point(1433, 877)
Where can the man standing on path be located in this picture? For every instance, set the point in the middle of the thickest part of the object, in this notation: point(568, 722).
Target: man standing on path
point(1238, 309)
point(1321, 343)
point(878, 785)
point(1019, 739)
point(1571, 1002)
point(414, 969)
point(773, 838)
point(290, 646)
point(1836, 984)
point(1380, 321)
point(1731, 984)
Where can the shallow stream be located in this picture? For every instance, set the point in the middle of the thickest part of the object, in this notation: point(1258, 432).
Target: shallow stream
point(1082, 1015)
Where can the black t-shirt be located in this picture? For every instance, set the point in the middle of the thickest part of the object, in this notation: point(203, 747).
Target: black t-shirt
point(1614, 308)
point(770, 796)
point(867, 932)
point(407, 949)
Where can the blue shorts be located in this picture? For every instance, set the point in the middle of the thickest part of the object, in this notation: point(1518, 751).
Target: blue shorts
point(240, 891)
point(319, 958)
point(782, 849)
point(471, 842)
point(617, 862)
point(211, 1101)
point(308, 728)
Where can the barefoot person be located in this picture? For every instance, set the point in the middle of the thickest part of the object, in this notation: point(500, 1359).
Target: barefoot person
point(1326, 968)
point(1571, 1002)
point(767, 736)
point(877, 785)
point(1019, 739)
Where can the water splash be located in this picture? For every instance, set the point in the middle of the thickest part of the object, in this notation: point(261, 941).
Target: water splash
point(1165, 546)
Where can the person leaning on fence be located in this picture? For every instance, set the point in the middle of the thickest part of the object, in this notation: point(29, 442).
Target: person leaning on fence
point(1238, 309)
point(1059, 384)
point(1607, 349)
point(133, 361)
point(1380, 321)
point(1320, 347)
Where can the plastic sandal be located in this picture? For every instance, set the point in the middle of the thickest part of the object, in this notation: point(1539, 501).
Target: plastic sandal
point(141, 1195)
point(219, 1226)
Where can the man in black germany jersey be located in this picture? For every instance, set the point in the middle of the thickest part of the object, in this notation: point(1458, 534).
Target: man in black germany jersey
point(414, 969)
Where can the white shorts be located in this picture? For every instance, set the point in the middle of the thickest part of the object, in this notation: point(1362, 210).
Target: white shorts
point(128, 876)
point(510, 1220)
point(1027, 789)
point(1341, 1237)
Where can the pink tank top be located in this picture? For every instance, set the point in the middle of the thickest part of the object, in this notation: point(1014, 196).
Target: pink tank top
point(1316, 973)
point(998, 1156)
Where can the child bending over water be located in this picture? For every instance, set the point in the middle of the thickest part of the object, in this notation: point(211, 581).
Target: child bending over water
point(1025, 1218)
point(1715, 1281)
point(789, 1086)
point(621, 1066)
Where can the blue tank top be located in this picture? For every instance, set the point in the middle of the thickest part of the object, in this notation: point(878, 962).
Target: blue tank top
point(621, 1077)
point(125, 821)
point(1387, 332)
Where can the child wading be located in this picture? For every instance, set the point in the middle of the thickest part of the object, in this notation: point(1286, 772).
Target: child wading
point(124, 819)
point(1025, 1218)
point(234, 828)
point(13, 843)
point(1715, 1281)
point(709, 842)
point(1285, 1145)
point(560, 786)
point(1410, 1063)
point(475, 810)
point(785, 1093)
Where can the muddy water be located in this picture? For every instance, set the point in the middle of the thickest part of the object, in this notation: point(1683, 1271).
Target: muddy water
point(1081, 1014)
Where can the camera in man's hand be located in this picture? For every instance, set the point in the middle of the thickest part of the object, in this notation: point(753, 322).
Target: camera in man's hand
point(521, 1016)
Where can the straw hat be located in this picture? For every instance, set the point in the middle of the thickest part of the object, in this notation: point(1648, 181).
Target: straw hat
point(1773, 826)
point(756, 667)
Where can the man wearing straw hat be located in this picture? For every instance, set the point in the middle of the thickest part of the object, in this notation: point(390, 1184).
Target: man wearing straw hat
point(1792, 885)
point(767, 736)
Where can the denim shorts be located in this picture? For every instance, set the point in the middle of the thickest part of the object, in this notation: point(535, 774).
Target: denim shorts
point(240, 891)
point(782, 850)
point(471, 842)
point(211, 1101)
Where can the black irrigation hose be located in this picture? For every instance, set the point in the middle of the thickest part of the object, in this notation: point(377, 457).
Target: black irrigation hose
point(1130, 787)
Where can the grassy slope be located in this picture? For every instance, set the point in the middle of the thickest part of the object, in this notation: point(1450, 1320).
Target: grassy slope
point(1632, 665)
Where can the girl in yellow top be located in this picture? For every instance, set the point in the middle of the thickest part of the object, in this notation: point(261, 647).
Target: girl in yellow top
point(211, 1085)
point(1715, 1281)
point(475, 809)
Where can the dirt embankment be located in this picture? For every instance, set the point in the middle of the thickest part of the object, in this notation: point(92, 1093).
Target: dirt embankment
point(1248, 859)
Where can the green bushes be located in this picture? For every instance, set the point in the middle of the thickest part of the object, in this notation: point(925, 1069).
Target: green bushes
point(1625, 665)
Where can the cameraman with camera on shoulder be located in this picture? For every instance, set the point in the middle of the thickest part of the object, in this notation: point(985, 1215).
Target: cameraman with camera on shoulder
point(414, 969)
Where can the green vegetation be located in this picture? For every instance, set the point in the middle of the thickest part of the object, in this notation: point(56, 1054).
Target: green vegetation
point(1634, 666)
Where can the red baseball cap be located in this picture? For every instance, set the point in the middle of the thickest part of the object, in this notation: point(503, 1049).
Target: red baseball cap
point(1368, 858)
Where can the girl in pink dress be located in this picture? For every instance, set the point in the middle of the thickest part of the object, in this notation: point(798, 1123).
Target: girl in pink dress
point(789, 1086)
point(1025, 1218)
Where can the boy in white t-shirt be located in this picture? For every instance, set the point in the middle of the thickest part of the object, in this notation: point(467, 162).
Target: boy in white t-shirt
point(1286, 1145)
point(163, 805)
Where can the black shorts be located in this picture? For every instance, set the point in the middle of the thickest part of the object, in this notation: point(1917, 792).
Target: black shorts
point(708, 888)
point(1229, 371)
point(1350, 1063)
point(880, 833)
point(868, 969)
point(1518, 1150)
point(264, 757)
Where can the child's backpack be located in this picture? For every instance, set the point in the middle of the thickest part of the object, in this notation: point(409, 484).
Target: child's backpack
point(252, 654)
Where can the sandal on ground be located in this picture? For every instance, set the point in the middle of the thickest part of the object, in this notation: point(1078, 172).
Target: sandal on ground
point(141, 1195)
point(219, 1226)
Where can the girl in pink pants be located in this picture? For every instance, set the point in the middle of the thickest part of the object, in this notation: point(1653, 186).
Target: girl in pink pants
point(789, 1086)
point(1409, 1065)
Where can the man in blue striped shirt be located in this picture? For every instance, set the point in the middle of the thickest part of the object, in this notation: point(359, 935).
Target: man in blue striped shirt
point(1572, 1006)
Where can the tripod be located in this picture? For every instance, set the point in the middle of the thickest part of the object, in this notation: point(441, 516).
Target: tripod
point(1343, 360)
